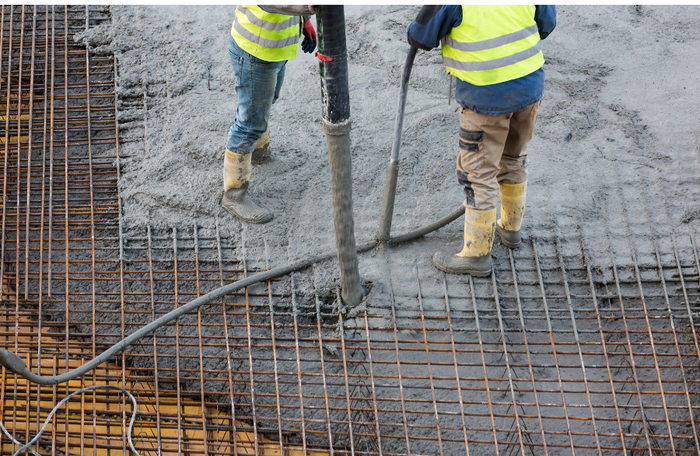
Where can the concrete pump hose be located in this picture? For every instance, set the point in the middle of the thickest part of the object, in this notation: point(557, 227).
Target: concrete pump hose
point(15, 364)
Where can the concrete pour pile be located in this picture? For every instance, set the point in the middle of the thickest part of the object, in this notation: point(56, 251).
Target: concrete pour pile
point(618, 131)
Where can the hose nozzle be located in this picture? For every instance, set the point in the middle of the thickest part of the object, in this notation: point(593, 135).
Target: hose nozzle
point(12, 362)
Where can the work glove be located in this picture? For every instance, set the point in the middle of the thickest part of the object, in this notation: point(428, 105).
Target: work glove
point(309, 43)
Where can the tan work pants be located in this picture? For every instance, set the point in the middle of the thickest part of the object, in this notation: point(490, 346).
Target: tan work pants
point(493, 149)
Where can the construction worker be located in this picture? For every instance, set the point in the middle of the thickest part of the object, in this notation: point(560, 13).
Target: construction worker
point(494, 52)
point(263, 38)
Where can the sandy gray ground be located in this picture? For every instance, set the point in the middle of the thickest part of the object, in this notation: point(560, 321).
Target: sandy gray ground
point(616, 147)
point(618, 107)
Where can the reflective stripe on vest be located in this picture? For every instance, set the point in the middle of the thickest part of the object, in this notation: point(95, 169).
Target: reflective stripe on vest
point(495, 63)
point(267, 36)
point(493, 44)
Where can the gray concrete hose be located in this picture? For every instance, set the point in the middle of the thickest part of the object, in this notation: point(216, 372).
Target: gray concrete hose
point(392, 172)
point(16, 365)
point(335, 101)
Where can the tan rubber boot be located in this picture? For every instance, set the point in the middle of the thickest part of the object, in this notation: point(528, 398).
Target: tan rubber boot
point(261, 154)
point(475, 257)
point(512, 211)
point(236, 183)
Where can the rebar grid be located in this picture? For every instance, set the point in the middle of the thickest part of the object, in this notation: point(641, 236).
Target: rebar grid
point(557, 352)
point(552, 355)
point(59, 186)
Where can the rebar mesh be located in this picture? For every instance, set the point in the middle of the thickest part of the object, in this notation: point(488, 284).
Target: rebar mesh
point(555, 353)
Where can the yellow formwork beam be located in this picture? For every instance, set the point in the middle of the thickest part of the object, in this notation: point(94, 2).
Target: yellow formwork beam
point(3, 117)
point(13, 140)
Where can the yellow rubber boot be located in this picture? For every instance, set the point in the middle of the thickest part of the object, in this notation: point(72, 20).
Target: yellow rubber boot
point(263, 142)
point(512, 210)
point(236, 182)
point(236, 170)
point(261, 154)
point(475, 257)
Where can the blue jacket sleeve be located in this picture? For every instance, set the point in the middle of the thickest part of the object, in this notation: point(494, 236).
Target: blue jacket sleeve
point(546, 19)
point(432, 23)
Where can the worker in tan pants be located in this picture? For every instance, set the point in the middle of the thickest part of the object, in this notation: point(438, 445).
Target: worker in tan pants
point(493, 154)
point(495, 53)
point(492, 162)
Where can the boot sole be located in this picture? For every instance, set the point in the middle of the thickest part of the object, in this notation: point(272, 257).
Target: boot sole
point(471, 272)
point(504, 241)
point(457, 270)
point(256, 221)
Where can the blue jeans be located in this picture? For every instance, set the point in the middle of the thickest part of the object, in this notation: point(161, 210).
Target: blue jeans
point(258, 85)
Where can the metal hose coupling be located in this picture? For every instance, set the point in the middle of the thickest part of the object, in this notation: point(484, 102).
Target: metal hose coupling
point(337, 129)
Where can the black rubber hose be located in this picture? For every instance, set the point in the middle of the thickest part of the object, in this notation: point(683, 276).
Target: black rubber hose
point(15, 364)
point(333, 61)
point(454, 215)
point(398, 126)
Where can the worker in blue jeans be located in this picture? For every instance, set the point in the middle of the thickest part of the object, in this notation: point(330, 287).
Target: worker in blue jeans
point(263, 38)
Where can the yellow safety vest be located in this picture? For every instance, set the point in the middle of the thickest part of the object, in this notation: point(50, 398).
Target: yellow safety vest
point(267, 36)
point(493, 44)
